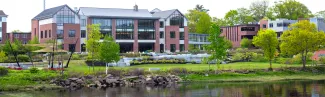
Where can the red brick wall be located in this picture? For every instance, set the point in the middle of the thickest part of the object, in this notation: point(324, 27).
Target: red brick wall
point(157, 45)
point(4, 32)
point(35, 29)
point(135, 37)
point(317, 53)
point(47, 27)
point(20, 37)
point(234, 33)
point(186, 38)
point(169, 40)
point(71, 40)
point(263, 22)
point(114, 28)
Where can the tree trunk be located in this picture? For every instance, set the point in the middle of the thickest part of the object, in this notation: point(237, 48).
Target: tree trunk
point(303, 60)
point(15, 55)
point(270, 64)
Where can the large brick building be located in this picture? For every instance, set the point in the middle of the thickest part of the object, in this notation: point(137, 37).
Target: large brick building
point(3, 26)
point(236, 33)
point(135, 30)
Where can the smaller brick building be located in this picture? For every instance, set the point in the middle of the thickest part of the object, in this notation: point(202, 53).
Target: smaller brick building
point(236, 33)
point(24, 37)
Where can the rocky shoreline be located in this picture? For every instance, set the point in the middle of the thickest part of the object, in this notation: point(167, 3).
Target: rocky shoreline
point(114, 81)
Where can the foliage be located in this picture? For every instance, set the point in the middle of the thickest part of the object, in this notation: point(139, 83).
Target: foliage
point(245, 43)
point(267, 40)
point(76, 57)
point(219, 21)
point(290, 9)
point(109, 50)
point(34, 70)
point(320, 14)
point(228, 43)
point(23, 58)
point(243, 54)
point(178, 71)
point(322, 60)
point(259, 9)
point(3, 71)
point(34, 41)
point(297, 58)
point(232, 18)
point(302, 38)
point(194, 16)
point(244, 16)
point(200, 8)
point(193, 49)
point(203, 23)
point(218, 47)
point(93, 41)
point(130, 54)
point(115, 72)
point(3, 56)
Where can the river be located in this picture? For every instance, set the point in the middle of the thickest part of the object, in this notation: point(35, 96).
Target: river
point(225, 89)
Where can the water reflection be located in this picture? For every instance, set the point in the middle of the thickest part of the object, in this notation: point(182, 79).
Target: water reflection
point(252, 89)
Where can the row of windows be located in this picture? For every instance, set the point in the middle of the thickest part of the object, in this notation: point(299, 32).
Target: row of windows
point(65, 15)
point(45, 34)
point(59, 34)
point(104, 23)
point(22, 35)
point(198, 38)
point(279, 25)
point(248, 29)
point(173, 47)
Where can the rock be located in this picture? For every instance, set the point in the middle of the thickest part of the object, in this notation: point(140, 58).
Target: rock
point(92, 85)
point(98, 84)
point(109, 76)
point(111, 81)
point(67, 82)
point(73, 79)
point(142, 77)
point(79, 81)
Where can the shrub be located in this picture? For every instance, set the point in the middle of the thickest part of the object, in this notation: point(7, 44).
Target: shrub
point(178, 71)
point(322, 60)
point(283, 60)
point(3, 71)
point(33, 70)
point(259, 58)
point(115, 72)
point(76, 57)
point(23, 58)
point(3, 56)
point(130, 54)
point(297, 58)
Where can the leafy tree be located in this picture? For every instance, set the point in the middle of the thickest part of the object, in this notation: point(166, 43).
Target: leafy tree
point(244, 16)
point(291, 9)
point(3, 56)
point(259, 9)
point(34, 41)
point(245, 43)
point(200, 8)
point(194, 16)
point(228, 43)
point(219, 21)
point(217, 48)
point(232, 18)
point(203, 24)
point(109, 51)
point(93, 42)
point(267, 40)
point(302, 38)
point(320, 14)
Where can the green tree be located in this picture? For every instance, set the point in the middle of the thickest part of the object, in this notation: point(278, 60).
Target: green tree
point(267, 40)
point(244, 16)
point(194, 17)
point(93, 42)
point(109, 51)
point(245, 43)
point(3, 56)
point(290, 9)
point(302, 38)
point(219, 21)
point(259, 9)
point(203, 24)
point(232, 18)
point(320, 14)
point(228, 43)
point(200, 8)
point(218, 47)
point(34, 41)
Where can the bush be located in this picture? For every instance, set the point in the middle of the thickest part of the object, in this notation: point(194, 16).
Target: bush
point(33, 70)
point(3, 71)
point(322, 60)
point(178, 71)
point(130, 54)
point(283, 60)
point(76, 57)
point(136, 71)
point(23, 58)
point(259, 58)
point(297, 58)
point(114, 72)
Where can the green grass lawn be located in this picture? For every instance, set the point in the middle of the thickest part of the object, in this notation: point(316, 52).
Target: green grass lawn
point(80, 66)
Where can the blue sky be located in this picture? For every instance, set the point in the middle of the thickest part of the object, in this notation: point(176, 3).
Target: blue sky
point(22, 11)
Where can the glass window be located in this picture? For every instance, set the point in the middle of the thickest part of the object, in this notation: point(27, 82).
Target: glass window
point(24, 35)
point(177, 19)
point(172, 34)
point(172, 47)
point(45, 33)
point(161, 34)
point(0, 19)
point(124, 28)
point(181, 47)
point(16, 35)
point(41, 34)
point(72, 33)
point(248, 29)
point(83, 47)
point(286, 24)
point(146, 29)
point(279, 24)
point(83, 33)
point(105, 24)
point(72, 47)
point(162, 24)
point(264, 25)
point(83, 22)
point(271, 25)
point(181, 35)
point(50, 33)
point(65, 15)
point(59, 34)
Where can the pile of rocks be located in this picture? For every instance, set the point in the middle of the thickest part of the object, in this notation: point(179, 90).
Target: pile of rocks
point(112, 81)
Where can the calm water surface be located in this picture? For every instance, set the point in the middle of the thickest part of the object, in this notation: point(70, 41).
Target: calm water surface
point(252, 89)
